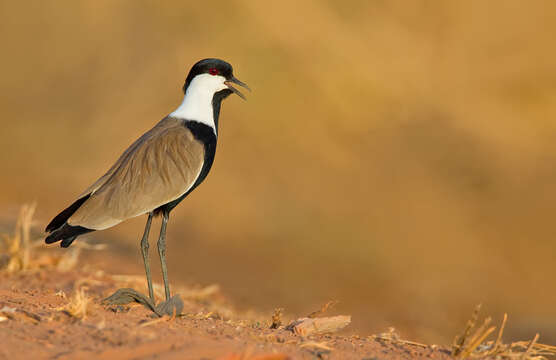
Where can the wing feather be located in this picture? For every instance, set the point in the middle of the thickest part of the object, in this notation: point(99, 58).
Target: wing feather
point(158, 168)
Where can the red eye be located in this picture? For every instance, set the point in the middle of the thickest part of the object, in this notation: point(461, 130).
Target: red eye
point(213, 71)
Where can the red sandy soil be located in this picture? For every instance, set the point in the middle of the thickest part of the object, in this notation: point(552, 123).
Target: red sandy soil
point(35, 326)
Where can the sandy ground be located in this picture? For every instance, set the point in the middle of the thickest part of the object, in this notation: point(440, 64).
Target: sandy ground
point(35, 323)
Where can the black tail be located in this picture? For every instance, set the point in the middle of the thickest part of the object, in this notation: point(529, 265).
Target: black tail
point(66, 234)
point(62, 217)
point(59, 229)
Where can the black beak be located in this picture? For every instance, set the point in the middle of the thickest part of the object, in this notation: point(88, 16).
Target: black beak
point(233, 80)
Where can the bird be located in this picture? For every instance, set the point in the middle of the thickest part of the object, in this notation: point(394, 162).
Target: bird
point(158, 170)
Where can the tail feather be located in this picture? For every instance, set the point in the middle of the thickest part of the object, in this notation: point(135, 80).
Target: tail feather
point(66, 233)
point(59, 228)
point(62, 217)
point(67, 241)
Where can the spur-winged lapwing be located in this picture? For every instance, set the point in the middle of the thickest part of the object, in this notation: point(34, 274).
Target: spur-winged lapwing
point(159, 169)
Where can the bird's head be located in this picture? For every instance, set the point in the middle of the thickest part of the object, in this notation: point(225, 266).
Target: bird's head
point(213, 76)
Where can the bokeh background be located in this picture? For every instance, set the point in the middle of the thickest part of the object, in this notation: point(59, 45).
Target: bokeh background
point(397, 156)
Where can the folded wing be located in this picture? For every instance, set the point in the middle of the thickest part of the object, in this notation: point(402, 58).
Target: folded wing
point(158, 168)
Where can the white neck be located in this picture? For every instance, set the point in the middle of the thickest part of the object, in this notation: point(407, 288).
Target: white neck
point(197, 102)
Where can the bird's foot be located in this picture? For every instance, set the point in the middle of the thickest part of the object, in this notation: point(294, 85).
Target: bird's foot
point(172, 306)
point(126, 296)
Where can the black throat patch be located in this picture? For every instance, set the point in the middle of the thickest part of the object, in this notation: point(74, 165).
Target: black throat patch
point(217, 102)
point(205, 134)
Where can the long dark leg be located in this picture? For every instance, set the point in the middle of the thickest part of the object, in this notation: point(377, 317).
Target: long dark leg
point(162, 252)
point(145, 252)
point(126, 296)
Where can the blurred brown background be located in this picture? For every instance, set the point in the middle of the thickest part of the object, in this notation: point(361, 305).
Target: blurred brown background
point(397, 156)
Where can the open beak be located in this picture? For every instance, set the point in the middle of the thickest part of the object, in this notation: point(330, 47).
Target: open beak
point(233, 80)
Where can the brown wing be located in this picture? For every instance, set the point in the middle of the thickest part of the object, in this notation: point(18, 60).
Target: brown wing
point(158, 168)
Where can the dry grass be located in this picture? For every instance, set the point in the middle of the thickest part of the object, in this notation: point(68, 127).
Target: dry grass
point(78, 305)
point(24, 249)
point(276, 318)
point(472, 344)
point(16, 248)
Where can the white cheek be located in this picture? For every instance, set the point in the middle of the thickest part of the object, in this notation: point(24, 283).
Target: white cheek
point(221, 85)
point(197, 102)
point(207, 83)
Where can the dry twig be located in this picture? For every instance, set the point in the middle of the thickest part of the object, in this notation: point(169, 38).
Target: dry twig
point(324, 308)
point(475, 346)
point(392, 336)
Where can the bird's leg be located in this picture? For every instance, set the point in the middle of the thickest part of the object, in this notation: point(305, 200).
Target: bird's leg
point(162, 252)
point(173, 305)
point(126, 296)
point(145, 252)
